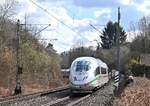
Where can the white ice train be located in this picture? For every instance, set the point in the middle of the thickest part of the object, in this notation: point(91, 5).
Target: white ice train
point(87, 74)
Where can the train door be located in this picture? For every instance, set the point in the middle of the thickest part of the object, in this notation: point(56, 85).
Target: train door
point(100, 78)
point(97, 76)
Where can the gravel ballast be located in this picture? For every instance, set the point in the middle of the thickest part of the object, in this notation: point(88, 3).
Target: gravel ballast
point(38, 101)
point(102, 97)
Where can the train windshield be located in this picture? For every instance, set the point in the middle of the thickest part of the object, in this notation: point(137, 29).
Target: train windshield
point(80, 66)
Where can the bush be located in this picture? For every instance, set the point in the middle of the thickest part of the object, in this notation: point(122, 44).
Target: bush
point(147, 71)
point(140, 70)
point(137, 70)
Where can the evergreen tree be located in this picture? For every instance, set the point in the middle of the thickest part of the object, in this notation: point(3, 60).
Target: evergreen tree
point(109, 37)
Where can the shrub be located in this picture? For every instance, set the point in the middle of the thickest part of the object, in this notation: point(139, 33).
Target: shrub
point(140, 70)
point(137, 69)
point(147, 71)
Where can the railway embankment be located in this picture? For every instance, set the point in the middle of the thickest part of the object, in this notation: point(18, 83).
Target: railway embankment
point(135, 94)
point(101, 97)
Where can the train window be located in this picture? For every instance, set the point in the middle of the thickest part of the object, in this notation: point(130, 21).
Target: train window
point(97, 71)
point(103, 70)
point(82, 66)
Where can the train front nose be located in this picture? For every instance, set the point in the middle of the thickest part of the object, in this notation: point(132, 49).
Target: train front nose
point(80, 83)
point(81, 88)
point(79, 79)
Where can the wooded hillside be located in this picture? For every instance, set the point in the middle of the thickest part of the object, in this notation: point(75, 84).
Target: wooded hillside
point(40, 65)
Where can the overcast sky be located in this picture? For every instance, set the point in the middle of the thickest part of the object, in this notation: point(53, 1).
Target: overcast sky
point(77, 15)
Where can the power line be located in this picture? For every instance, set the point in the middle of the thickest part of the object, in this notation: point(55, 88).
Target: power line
point(95, 28)
point(34, 24)
point(49, 39)
point(45, 10)
point(42, 29)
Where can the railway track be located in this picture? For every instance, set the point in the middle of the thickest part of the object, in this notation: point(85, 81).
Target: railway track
point(12, 99)
point(68, 100)
point(58, 97)
point(72, 100)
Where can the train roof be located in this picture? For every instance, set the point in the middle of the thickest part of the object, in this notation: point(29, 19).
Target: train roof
point(99, 62)
point(85, 58)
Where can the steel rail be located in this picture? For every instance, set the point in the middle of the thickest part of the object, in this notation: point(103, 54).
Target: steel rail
point(28, 96)
point(73, 101)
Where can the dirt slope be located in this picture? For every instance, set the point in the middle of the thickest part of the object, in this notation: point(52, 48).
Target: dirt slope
point(136, 94)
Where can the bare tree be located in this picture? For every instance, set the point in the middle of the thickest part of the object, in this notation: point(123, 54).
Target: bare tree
point(144, 26)
point(141, 43)
point(7, 30)
point(7, 9)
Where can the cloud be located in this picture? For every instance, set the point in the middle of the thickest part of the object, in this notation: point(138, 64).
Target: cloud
point(126, 2)
point(144, 7)
point(31, 8)
point(27, 6)
point(96, 3)
point(131, 35)
point(104, 11)
point(67, 37)
point(77, 15)
point(2, 2)
point(83, 25)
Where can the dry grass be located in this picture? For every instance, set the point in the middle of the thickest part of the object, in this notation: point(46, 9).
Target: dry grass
point(32, 88)
point(136, 94)
point(4, 92)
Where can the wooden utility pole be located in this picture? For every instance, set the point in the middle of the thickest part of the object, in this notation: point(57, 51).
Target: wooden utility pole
point(118, 41)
